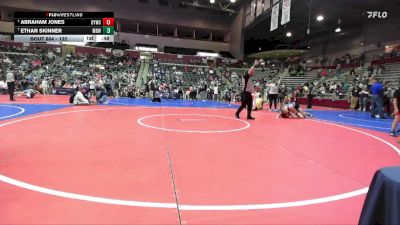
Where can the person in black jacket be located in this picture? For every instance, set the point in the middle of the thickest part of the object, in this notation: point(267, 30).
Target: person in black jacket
point(355, 95)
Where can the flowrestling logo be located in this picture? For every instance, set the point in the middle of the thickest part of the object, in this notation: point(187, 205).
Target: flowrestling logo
point(377, 14)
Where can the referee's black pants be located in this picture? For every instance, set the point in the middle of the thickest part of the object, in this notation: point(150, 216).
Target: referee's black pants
point(247, 101)
point(11, 89)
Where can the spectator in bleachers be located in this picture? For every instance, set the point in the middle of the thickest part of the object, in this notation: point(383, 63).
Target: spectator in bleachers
point(131, 92)
point(381, 68)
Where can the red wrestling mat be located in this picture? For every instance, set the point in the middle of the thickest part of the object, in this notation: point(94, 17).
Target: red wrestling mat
point(38, 99)
point(111, 165)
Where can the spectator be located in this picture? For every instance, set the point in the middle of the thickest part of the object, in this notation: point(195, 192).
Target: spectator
point(101, 96)
point(311, 94)
point(355, 95)
point(363, 98)
point(24, 84)
point(45, 86)
point(387, 95)
point(215, 96)
point(273, 93)
point(3, 87)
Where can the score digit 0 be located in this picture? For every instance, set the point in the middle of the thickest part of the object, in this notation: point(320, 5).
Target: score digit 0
point(108, 22)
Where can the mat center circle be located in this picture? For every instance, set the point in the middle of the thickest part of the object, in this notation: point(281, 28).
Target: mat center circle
point(193, 123)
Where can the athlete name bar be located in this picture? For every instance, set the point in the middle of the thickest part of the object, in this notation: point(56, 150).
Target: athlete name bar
point(60, 22)
point(60, 30)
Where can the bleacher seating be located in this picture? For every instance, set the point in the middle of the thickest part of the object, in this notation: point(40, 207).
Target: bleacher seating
point(293, 81)
point(391, 73)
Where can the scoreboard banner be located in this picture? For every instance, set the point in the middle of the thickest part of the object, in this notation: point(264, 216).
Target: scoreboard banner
point(64, 26)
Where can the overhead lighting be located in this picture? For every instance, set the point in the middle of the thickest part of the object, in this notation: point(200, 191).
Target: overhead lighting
point(233, 1)
point(212, 1)
point(320, 18)
point(337, 30)
point(288, 34)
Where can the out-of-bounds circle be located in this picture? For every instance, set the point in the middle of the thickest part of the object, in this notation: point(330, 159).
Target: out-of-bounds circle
point(21, 110)
point(141, 122)
point(172, 205)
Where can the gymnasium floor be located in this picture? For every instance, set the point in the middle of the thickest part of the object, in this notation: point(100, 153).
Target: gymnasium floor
point(181, 162)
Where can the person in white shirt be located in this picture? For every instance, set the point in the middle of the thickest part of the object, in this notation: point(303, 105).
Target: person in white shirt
point(92, 87)
point(273, 95)
point(3, 87)
point(45, 87)
point(215, 96)
point(10, 79)
point(79, 99)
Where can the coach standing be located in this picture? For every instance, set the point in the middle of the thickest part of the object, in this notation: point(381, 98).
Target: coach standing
point(10, 79)
point(248, 89)
point(377, 99)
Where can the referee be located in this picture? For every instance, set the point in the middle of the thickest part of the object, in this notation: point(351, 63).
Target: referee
point(248, 89)
point(10, 79)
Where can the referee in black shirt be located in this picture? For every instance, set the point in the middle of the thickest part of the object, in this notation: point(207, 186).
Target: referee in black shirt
point(248, 89)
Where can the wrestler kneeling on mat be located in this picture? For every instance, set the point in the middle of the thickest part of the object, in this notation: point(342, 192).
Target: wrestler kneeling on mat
point(290, 110)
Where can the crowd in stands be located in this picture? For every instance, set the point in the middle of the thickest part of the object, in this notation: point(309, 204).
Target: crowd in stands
point(296, 69)
point(45, 71)
point(184, 81)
